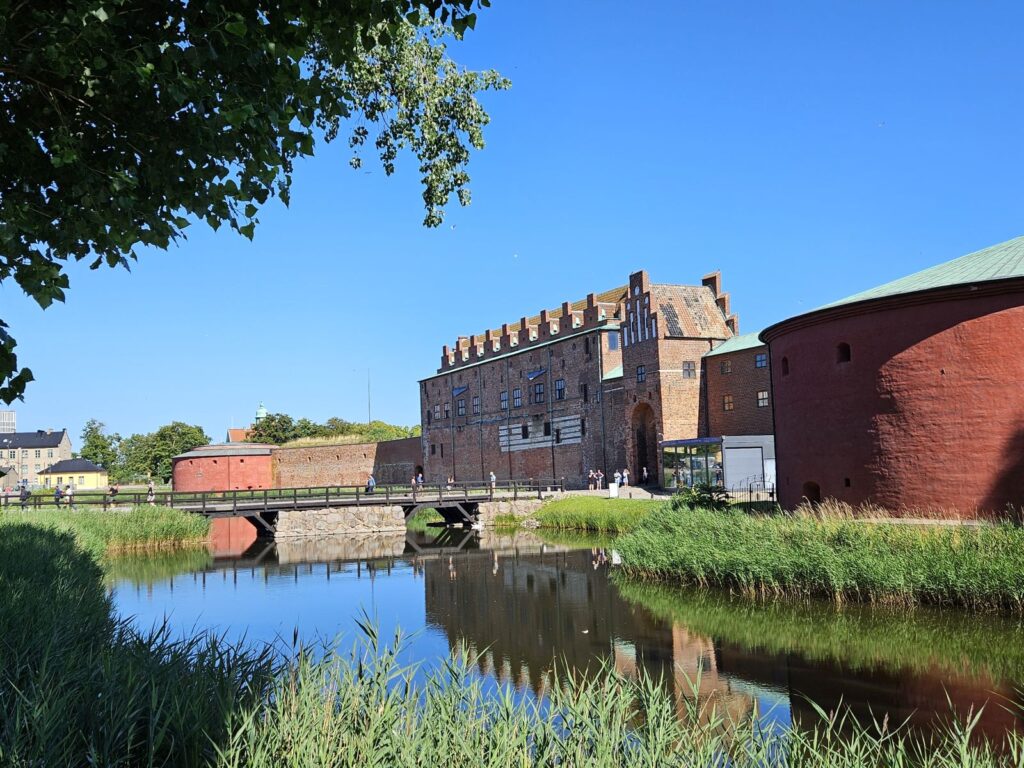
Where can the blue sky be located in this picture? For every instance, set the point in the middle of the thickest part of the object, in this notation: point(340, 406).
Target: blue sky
point(808, 151)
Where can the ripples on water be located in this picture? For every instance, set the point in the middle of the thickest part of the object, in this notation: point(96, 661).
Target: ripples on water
point(520, 603)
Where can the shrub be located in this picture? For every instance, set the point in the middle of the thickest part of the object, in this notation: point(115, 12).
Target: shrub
point(702, 496)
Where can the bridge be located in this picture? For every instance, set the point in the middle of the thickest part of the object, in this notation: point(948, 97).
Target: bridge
point(458, 503)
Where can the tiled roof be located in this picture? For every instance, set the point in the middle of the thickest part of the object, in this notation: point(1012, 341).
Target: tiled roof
point(38, 439)
point(736, 344)
point(71, 466)
point(689, 310)
point(613, 296)
point(238, 434)
point(997, 262)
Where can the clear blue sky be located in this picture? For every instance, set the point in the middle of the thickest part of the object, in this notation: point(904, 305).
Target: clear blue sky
point(807, 150)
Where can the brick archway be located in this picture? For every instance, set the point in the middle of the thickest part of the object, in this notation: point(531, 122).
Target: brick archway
point(643, 427)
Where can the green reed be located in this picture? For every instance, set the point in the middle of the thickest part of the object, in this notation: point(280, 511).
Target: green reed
point(846, 560)
point(592, 513)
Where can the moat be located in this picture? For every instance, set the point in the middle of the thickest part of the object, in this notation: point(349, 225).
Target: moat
point(522, 603)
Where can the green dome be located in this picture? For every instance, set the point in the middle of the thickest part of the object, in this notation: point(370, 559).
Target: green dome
point(261, 413)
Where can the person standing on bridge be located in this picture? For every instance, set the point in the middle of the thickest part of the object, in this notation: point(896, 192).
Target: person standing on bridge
point(58, 494)
point(151, 494)
point(494, 481)
point(371, 484)
point(69, 494)
point(625, 476)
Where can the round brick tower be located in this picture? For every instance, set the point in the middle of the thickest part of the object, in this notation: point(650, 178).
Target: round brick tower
point(909, 395)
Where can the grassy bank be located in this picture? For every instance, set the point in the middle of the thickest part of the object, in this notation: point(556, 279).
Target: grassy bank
point(844, 560)
point(593, 513)
point(79, 688)
point(853, 636)
point(100, 532)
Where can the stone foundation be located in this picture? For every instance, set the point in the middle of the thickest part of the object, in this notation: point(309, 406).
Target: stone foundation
point(366, 546)
point(489, 510)
point(335, 520)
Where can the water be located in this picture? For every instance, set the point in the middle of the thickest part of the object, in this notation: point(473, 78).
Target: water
point(523, 602)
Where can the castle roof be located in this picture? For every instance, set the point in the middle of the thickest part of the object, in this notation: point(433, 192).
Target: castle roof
point(997, 262)
point(1003, 261)
point(72, 466)
point(736, 344)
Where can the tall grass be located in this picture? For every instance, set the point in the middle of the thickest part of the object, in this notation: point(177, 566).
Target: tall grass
point(78, 688)
point(845, 560)
point(99, 531)
point(592, 513)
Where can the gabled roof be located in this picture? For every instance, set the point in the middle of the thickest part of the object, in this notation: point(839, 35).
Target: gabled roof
point(238, 434)
point(688, 311)
point(736, 344)
point(38, 439)
point(997, 262)
point(72, 466)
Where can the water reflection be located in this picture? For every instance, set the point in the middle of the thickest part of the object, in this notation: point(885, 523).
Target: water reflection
point(524, 604)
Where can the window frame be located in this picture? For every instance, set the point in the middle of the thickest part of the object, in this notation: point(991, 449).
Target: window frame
point(762, 398)
point(761, 360)
point(517, 398)
point(689, 369)
point(641, 374)
point(727, 403)
point(503, 400)
point(559, 389)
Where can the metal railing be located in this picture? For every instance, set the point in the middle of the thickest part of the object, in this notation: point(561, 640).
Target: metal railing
point(272, 499)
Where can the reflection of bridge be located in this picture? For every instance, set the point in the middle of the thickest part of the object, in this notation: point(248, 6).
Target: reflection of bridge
point(458, 503)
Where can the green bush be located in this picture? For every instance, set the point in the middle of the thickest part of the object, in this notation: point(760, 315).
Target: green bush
point(593, 513)
point(702, 496)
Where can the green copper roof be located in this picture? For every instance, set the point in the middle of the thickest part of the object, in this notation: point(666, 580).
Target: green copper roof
point(614, 373)
point(736, 344)
point(997, 262)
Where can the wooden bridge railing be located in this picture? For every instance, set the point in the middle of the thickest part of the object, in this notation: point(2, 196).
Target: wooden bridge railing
point(269, 499)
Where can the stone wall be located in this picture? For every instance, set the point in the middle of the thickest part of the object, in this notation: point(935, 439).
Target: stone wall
point(392, 461)
point(331, 521)
point(489, 510)
point(355, 546)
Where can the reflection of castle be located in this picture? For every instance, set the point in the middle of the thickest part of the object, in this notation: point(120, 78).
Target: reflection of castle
point(525, 614)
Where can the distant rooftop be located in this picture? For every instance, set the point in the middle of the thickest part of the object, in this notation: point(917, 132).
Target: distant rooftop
point(41, 438)
point(736, 344)
point(71, 466)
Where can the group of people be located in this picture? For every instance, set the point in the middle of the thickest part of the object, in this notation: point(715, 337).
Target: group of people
point(595, 478)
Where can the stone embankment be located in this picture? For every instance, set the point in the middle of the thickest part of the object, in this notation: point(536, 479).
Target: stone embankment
point(489, 511)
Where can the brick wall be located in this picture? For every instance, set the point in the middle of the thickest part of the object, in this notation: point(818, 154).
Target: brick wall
point(392, 461)
point(222, 473)
point(736, 374)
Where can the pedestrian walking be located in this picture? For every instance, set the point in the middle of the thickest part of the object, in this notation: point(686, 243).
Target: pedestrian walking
point(69, 494)
point(493, 480)
point(58, 494)
point(151, 494)
point(625, 476)
point(643, 475)
point(419, 479)
point(599, 478)
point(23, 496)
point(371, 483)
point(112, 492)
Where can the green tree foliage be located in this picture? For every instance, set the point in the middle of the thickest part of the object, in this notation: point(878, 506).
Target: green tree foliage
point(139, 457)
point(122, 122)
point(280, 428)
point(99, 447)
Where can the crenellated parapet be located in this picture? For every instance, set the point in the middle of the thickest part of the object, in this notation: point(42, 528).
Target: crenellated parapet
point(550, 324)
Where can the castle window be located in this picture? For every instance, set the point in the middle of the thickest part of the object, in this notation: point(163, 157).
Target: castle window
point(558, 436)
point(476, 405)
point(785, 366)
point(504, 400)
point(517, 398)
point(560, 389)
point(447, 410)
point(460, 407)
point(538, 392)
point(725, 366)
point(547, 429)
point(843, 353)
point(526, 432)
point(727, 402)
point(585, 393)
point(613, 341)
point(586, 345)
point(761, 360)
point(641, 374)
point(689, 369)
point(583, 427)
point(442, 450)
point(437, 411)
point(762, 398)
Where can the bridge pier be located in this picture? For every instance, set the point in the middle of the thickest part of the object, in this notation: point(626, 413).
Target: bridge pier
point(295, 523)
